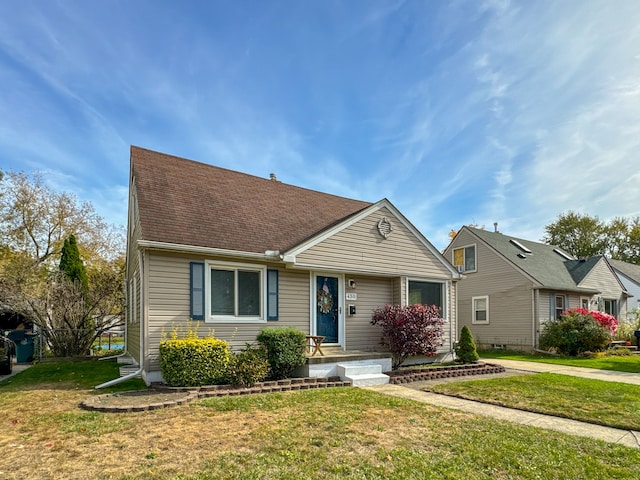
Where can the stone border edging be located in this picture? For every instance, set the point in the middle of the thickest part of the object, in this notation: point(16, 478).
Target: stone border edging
point(194, 393)
point(434, 373)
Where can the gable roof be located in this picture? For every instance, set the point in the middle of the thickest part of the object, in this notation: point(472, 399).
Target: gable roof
point(630, 270)
point(549, 266)
point(184, 202)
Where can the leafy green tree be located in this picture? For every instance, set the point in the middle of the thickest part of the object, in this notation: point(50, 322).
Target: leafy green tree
point(584, 236)
point(71, 263)
point(580, 235)
point(70, 308)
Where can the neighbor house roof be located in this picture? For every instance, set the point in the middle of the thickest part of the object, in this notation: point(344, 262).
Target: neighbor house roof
point(548, 265)
point(630, 270)
point(185, 202)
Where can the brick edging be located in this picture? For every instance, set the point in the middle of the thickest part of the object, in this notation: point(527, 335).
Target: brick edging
point(434, 373)
point(195, 393)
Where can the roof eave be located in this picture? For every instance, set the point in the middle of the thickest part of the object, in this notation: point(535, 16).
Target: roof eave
point(270, 255)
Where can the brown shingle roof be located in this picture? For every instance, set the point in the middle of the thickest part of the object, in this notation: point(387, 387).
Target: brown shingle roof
point(185, 202)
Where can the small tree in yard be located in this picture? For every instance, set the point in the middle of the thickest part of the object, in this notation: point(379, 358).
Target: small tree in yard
point(411, 330)
point(466, 349)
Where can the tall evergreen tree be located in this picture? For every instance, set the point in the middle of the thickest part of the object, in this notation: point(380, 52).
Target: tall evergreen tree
point(71, 263)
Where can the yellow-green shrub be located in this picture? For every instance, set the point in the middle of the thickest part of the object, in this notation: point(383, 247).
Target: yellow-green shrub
point(191, 361)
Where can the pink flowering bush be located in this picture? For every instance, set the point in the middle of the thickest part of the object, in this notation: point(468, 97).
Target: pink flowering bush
point(607, 321)
point(411, 330)
point(577, 331)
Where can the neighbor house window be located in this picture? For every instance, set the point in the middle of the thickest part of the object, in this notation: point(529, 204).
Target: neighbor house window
point(465, 258)
point(480, 309)
point(560, 306)
point(611, 307)
point(427, 293)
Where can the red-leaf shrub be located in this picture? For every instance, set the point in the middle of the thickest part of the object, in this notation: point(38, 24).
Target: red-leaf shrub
point(607, 321)
point(411, 330)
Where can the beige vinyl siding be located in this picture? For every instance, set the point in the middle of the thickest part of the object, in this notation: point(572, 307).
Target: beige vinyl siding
point(133, 277)
point(509, 292)
point(372, 292)
point(602, 278)
point(168, 305)
point(361, 248)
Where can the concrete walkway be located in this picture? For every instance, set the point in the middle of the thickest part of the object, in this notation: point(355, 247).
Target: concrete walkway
point(592, 373)
point(17, 368)
point(627, 438)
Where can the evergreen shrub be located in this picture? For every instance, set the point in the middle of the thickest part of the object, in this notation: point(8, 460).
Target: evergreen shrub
point(248, 367)
point(285, 350)
point(466, 348)
point(192, 361)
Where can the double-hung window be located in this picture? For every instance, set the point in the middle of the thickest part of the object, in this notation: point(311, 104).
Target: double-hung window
point(560, 306)
point(480, 309)
point(236, 292)
point(465, 258)
point(231, 292)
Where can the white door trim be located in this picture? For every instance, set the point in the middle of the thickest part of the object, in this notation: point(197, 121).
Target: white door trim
point(313, 275)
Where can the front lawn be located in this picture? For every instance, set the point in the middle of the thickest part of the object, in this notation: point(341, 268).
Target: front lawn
point(629, 363)
point(322, 434)
point(605, 403)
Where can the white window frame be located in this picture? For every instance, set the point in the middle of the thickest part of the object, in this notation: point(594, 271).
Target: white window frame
point(260, 318)
point(445, 292)
point(464, 257)
point(474, 320)
point(555, 306)
point(588, 302)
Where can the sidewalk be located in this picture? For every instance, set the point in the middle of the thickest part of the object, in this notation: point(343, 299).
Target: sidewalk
point(17, 368)
point(627, 438)
point(592, 373)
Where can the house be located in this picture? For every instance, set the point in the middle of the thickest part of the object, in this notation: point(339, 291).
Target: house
point(511, 286)
point(238, 253)
point(629, 275)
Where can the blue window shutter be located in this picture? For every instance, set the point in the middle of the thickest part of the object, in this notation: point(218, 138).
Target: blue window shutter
point(272, 295)
point(197, 290)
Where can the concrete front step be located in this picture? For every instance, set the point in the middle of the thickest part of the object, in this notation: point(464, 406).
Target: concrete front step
point(362, 375)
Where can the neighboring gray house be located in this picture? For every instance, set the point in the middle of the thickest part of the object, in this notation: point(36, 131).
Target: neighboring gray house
point(512, 286)
point(239, 253)
point(629, 275)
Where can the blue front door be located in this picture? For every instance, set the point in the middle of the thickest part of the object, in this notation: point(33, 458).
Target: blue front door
point(327, 308)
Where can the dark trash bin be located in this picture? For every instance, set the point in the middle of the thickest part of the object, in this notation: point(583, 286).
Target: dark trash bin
point(637, 334)
point(25, 349)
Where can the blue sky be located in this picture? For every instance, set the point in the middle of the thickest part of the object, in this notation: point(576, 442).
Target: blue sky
point(458, 112)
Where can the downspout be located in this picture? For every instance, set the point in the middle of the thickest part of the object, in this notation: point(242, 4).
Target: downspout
point(451, 340)
point(535, 294)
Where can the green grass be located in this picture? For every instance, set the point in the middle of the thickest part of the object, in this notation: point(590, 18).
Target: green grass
point(594, 401)
point(325, 434)
point(630, 363)
point(76, 374)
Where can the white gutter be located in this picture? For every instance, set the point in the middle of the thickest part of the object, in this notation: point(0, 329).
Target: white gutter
point(176, 247)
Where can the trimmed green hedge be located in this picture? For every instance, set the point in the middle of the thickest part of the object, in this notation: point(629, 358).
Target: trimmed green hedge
point(285, 347)
point(193, 362)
